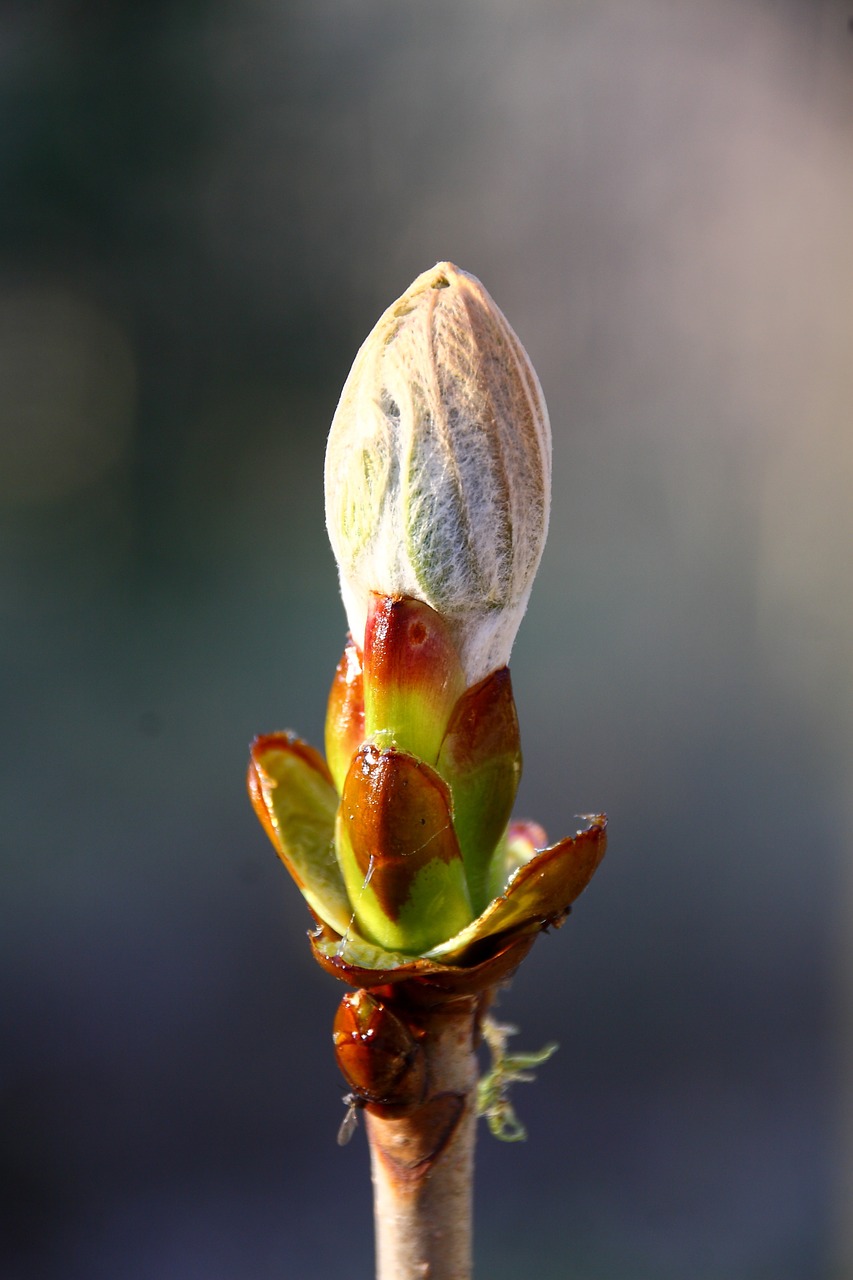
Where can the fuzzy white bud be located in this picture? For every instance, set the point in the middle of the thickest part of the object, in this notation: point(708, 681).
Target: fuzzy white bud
point(438, 467)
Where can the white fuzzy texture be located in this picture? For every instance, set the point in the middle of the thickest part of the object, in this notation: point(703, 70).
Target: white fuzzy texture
point(438, 467)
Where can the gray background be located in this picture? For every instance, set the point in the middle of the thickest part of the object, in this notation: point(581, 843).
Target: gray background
point(205, 206)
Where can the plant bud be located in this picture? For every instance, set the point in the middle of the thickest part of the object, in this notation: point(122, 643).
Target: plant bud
point(438, 467)
point(437, 496)
point(398, 852)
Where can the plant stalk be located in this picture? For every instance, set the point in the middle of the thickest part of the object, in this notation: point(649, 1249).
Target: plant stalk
point(423, 1162)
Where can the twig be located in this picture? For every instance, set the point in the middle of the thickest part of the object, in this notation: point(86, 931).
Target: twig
point(423, 1161)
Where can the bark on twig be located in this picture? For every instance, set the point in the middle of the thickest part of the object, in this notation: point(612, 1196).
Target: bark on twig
point(423, 1162)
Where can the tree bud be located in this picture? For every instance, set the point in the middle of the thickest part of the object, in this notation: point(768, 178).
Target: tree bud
point(438, 467)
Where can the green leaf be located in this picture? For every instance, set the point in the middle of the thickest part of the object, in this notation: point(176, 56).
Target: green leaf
point(538, 893)
point(294, 797)
point(507, 1069)
point(480, 758)
point(352, 949)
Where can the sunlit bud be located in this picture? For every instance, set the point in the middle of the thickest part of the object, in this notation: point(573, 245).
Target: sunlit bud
point(398, 852)
point(438, 468)
point(400, 692)
point(480, 759)
point(412, 676)
point(437, 497)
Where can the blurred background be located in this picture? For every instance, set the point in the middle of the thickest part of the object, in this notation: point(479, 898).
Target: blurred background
point(205, 207)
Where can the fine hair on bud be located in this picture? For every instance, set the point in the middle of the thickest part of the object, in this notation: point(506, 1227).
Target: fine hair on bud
point(438, 467)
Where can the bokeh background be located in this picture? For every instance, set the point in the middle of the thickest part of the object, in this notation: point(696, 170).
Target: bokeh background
point(205, 206)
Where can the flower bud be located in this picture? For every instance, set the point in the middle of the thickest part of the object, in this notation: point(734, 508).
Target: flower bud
point(438, 468)
point(437, 496)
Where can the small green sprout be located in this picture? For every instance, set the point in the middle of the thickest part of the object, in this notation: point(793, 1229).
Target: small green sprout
point(507, 1069)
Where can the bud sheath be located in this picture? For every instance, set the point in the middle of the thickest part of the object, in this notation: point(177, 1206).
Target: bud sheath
point(438, 467)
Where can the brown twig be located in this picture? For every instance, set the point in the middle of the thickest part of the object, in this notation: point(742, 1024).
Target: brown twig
point(423, 1160)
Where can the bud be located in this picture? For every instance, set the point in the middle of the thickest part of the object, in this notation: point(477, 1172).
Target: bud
point(405, 739)
point(438, 468)
point(412, 676)
point(398, 852)
point(437, 495)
